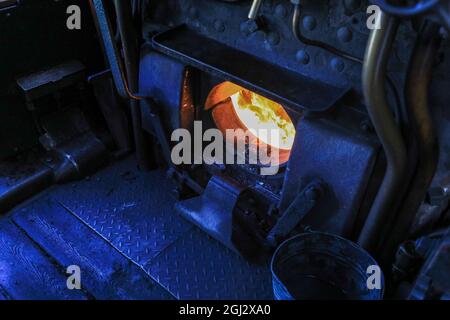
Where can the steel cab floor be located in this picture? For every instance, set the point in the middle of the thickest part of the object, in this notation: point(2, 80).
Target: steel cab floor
point(121, 229)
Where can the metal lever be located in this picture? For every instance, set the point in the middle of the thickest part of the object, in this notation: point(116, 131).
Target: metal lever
point(125, 77)
point(111, 51)
point(298, 209)
point(254, 10)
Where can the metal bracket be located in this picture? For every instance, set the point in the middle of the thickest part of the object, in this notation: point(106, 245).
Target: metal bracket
point(299, 208)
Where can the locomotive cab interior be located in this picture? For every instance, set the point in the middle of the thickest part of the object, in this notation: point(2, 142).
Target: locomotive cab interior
point(225, 149)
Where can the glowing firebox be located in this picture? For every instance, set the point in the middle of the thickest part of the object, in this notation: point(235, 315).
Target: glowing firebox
point(258, 114)
point(235, 107)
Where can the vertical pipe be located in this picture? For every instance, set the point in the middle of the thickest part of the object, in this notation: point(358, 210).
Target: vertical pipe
point(374, 89)
point(131, 58)
point(417, 83)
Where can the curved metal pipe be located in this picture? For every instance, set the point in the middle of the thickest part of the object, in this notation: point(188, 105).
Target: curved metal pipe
point(128, 38)
point(300, 37)
point(125, 77)
point(131, 58)
point(417, 84)
point(374, 89)
point(111, 51)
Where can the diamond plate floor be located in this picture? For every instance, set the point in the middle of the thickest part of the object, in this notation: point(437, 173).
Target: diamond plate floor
point(199, 267)
point(131, 209)
point(106, 273)
point(26, 272)
point(120, 227)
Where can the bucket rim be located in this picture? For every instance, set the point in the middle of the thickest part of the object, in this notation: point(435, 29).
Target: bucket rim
point(311, 233)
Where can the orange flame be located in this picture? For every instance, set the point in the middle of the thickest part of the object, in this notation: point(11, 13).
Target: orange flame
point(259, 115)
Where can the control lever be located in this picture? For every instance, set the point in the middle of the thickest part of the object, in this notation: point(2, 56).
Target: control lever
point(303, 203)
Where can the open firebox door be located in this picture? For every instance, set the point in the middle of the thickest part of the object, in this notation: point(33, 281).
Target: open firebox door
point(244, 118)
point(236, 108)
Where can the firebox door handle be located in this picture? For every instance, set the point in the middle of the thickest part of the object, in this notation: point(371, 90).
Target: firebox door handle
point(303, 203)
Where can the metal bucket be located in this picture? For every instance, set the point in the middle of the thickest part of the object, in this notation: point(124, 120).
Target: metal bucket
point(313, 266)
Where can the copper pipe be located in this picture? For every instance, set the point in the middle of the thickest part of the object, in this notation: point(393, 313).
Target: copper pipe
point(374, 89)
point(417, 84)
point(110, 49)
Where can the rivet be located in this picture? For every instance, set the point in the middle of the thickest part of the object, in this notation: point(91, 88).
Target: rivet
point(280, 11)
point(302, 56)
point(309, 23)
point(337, 64)
point(344, 34)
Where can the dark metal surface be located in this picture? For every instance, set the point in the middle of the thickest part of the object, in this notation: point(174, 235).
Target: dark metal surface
point(315, 43)
point(106, 273)
point(417, 8)
point(74, 150)
point(112, 109)
point(303, 203)
point(34, 36)
point(22, 178)
point(336, 23)
point(26, 272)
point(199, 267)
point(424, 134)
point(213, 210)
point(214, 57)
point(115, 226)
point(134, 212)
point(38, 84)
point(343, 160)
point(433, 281)
point(162, 90)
